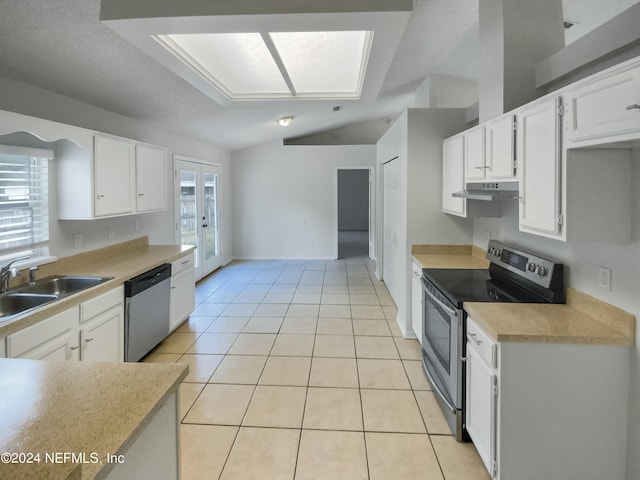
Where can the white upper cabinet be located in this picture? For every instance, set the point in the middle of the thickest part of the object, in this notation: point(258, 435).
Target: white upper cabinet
point(605, 108)
point(489, 151)
point(500, 152)
point(453, 175)
point(474, 154)
point(119, 177)
point(151, 178)
point(113, 179)
point(538, 151)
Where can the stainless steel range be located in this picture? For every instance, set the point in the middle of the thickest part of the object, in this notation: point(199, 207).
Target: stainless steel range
point(514, 276)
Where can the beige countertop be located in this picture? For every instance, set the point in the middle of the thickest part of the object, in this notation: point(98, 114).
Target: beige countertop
point(77, 407)
point(449, 256)
point(122, 262)
point(583, 320)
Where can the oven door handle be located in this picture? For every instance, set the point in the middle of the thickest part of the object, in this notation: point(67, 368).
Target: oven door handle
point(435, 386)
point(450, 311)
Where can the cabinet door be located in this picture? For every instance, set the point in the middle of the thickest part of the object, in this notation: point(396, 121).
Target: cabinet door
point(101, 340)
point(474, 154)
point(500, 149)
point(113, 176)
point(53, 339)
point(607, 106)
point(183, 297)
point(151, 178)
point(481, 407)
point(538, 151)
point(453, 176)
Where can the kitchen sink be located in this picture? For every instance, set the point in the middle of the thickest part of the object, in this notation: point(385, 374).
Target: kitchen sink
point(49, 289)
point(62, 285)
point(14, 303)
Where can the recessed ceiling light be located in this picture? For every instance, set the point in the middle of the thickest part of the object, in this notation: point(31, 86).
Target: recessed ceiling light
point(285, 121)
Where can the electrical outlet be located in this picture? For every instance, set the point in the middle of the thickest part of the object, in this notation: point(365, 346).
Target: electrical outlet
point(77, 240)
point(111, 233)
point(604, 278)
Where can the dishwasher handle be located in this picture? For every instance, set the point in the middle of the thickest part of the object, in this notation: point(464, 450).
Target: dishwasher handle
point(147, 280)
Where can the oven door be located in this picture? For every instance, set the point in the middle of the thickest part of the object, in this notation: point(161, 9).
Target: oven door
point(443, 330)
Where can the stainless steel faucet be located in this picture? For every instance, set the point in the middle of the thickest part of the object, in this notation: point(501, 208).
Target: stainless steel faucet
point(5, 271)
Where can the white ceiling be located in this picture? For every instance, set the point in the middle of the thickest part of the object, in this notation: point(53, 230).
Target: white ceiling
point(61, 46)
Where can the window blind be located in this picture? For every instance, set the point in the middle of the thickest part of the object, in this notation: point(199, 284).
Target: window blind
point(24, 197)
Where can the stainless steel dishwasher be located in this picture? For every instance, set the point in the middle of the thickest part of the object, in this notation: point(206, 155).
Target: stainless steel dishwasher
point(146, 311)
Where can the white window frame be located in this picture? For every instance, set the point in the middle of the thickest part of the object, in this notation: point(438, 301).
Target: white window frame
point(38, 197)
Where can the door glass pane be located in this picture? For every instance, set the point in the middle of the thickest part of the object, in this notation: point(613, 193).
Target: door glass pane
point(210, 218)
point(188, 212)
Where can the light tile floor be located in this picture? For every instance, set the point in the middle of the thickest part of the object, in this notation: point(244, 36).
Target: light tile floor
point(299, 371)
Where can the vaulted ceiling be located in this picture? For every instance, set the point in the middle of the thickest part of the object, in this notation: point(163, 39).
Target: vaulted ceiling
point(62, 46)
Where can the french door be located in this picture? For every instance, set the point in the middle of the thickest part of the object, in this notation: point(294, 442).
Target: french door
point(197, 207)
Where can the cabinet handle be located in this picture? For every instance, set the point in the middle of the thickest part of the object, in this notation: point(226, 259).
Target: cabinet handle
point(141, 194)
point(173, 288)
point(635, 106)
point(100, 196)
point(87, 340)
point(474, 339)
point(185, 262)
point(482, 168)
point(74, 348)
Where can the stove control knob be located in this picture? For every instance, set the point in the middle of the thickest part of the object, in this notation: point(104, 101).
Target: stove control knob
point(531, 267)
point(497, 252)
point(542, 271)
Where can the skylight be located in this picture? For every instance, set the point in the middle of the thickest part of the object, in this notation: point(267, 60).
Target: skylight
point(277, 65)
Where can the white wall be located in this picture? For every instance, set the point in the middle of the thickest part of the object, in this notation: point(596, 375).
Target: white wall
point(27, 100)
point(416, 139)
point(284, 198)
point(583, 259)
point(444, 91)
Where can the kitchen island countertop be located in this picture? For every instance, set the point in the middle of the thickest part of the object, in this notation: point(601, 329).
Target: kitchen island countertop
point(81, 408)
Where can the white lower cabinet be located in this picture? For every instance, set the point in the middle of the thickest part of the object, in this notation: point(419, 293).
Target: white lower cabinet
point(541, 410)
point(55, 338)
point(416, 301)
point(183, 291)
point(92, 331)
point(482, 394)
point(102, 327)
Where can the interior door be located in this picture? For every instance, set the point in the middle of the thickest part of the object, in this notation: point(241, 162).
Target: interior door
point(197, 207)
point(390, 206)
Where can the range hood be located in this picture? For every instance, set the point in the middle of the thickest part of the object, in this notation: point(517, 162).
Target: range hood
point(489, 191)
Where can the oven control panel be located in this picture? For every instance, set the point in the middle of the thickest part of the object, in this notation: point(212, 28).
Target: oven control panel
point(537, 269)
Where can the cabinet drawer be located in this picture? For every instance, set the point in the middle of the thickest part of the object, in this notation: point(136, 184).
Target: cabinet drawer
point(480, 342)
point(29, 338)
point(102, 303)
point(181, 264)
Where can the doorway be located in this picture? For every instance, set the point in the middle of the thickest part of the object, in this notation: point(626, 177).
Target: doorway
point(354, 213)
point(197, 210)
